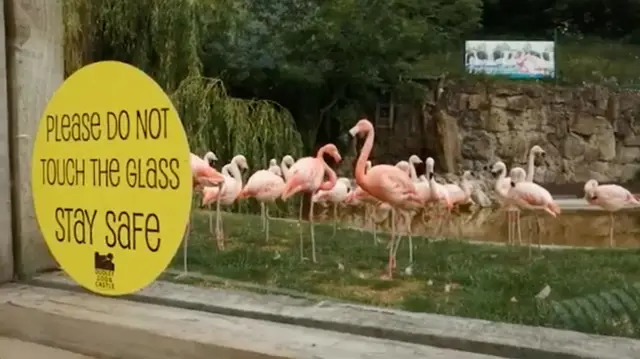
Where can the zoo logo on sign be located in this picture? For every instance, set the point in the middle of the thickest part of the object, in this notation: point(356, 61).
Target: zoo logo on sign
point(111, 178)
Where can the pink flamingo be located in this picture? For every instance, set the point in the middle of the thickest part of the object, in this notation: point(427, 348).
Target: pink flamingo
point(356, 197)
point(460, 194)
point(411, 207)
point(227, 193)
point(438, 193)
point(265, 186)
point(611, 198)
point(307, 175)
point(387, 183)
point(502, 187)
point(203, 175)
point(534, 153)
point(529, 195)
point(335, 196)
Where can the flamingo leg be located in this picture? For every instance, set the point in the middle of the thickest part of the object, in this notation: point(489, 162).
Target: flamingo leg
point(210, 219)
point(300, 227)
point(374, 225)
point(262, 215)
point(444, 217)
point(395, 249)
point(369, 222)
point(219, 233)
point(407, 222)
point(394, 238)
point(439, 226)
point(459, 225)
point(509, 227)
point(313, 235)
point(410, 234)
point(612, 242)
point(185, 247)
point(518, 228)
point(392, 241)
point(539, 230)
point(266, 223)
point(335, 219)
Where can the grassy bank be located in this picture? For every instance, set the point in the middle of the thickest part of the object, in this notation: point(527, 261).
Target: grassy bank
point(449, 277)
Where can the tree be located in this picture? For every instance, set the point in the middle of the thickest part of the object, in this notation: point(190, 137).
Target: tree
point(327, 61)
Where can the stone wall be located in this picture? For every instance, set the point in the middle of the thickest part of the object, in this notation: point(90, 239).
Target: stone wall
point(588, 132)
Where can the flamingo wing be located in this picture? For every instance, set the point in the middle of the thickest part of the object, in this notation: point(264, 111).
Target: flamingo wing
point(422, 188)
point(304, 175)
point(390, 184)
point(321, 196)
point(203, 174)
point(209, 195)
point(612, 191)
point(503, 186)
point(254, 184)
point(533, 194)
point(271, 189)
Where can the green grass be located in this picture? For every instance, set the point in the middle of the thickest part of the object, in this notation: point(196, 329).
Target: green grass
point(449, 277)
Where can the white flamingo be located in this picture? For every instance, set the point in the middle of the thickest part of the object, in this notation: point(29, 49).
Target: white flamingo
point(227, 193)
point(611, 198)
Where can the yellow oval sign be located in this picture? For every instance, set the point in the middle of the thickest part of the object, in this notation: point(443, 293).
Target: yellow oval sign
point(111, 179)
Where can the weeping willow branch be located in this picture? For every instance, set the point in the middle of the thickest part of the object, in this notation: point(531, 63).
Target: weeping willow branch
point(161, 37)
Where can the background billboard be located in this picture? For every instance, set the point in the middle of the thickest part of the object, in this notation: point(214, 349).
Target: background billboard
point(515, 59)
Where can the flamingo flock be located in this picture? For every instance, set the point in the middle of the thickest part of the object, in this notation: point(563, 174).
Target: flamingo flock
point(392, 189)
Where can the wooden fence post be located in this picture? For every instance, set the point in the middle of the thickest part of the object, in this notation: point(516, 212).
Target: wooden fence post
point(35, 69)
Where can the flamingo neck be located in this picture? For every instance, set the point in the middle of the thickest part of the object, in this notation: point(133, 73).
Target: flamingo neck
point(501, 177)
point(285, 170)
point(530, 167)
point(235, 172)
point(413, 173)
point(361, 163)
point(331, 181)
point(431, 181)
point(466, 186)
point(333, 178)
point(275, 170)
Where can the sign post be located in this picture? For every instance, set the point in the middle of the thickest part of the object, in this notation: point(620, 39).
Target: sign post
point(111, 178)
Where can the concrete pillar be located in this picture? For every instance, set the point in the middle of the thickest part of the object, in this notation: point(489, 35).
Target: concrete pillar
point(6, 255)
point(35, 70)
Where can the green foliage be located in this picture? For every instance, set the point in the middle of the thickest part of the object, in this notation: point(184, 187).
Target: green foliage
point(162, 37)
point(595, 18)
point(611, 312)
point(326, 60)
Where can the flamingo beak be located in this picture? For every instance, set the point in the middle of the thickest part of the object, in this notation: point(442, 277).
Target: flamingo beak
point(353, 131)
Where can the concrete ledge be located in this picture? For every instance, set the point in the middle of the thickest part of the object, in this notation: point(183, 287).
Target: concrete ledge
point(113, 328)
point(18, 349)
point(478, 336)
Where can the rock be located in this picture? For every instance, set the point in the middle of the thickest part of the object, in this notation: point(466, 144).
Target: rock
point(628, 154)
point(475, 102)
point(518, 103)
point(584, 124)
point(574, 146)
point(495, 120)
point(587, 132)
point(479, 146)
